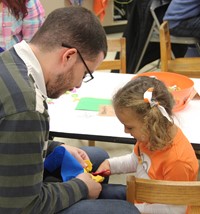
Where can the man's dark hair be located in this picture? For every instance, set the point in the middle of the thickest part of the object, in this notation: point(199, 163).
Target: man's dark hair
point(75, 26)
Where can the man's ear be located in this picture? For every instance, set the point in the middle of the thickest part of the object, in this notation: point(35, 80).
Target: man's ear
point(69, 55)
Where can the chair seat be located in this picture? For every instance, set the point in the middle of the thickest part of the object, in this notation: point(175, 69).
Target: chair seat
point(184, 40)
point(155, 37)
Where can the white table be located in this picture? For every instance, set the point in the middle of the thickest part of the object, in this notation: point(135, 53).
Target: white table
point(67, 122)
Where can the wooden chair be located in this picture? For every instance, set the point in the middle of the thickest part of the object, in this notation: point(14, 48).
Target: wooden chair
point(164, 192)
point(115, 45)
point(187, 66)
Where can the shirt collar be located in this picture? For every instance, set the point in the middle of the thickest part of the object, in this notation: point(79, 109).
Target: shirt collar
point(26, 54)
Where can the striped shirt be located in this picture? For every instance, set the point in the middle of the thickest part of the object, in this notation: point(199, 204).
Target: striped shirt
point(24, 130)
point(14, 31)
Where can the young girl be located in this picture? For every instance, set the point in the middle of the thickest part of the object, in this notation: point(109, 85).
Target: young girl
point(144, 106)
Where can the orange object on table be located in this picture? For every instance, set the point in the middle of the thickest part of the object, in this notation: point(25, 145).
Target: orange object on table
point(185, 87)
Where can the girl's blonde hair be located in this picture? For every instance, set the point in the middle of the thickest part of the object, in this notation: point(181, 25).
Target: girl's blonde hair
point(155, 124)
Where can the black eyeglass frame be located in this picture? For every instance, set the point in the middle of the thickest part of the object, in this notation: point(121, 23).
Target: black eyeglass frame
point(88, 70)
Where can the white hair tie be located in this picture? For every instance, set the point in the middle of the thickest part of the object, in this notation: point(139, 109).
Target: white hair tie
point(148, 99)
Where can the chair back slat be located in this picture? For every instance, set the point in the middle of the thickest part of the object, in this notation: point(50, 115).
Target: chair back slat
point(115, 45)
point(164, 192)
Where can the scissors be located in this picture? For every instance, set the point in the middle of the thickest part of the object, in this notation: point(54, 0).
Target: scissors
point(103, 173)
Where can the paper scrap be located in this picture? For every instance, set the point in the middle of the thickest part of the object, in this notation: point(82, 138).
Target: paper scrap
point(91, 104)
point(106, 110)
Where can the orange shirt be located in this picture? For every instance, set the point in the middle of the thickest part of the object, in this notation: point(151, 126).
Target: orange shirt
point(177, 162)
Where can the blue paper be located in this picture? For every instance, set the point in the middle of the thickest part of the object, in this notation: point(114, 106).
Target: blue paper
point(61, 158)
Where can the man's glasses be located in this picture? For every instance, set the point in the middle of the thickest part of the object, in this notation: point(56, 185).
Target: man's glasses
point(88, 74)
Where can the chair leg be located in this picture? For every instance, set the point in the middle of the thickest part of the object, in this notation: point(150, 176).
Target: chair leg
point(91, 143)
point(158, 64)
point(198, 47)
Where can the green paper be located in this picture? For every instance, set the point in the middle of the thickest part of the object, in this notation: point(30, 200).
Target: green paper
point(91, 104)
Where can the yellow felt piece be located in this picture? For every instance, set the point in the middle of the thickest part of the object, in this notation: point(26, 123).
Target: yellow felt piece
point(89, 166)
point(88, 169)
point(98, 178)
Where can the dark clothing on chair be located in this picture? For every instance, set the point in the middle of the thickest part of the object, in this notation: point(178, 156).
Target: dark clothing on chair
point(136, 33)
point(184, 15)
point(188, 28)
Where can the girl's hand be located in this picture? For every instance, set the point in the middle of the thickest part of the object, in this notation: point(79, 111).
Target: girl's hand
point(104, 166)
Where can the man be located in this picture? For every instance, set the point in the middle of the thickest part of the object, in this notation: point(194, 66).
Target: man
point(67, 48)
point(184, 18)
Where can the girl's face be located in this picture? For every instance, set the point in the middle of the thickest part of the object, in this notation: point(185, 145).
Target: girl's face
point(132, 123)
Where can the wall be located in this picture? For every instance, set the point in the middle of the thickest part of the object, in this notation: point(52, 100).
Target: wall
point(50, 5)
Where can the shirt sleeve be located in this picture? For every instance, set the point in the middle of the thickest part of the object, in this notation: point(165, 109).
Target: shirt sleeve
point(35, 18)
point(22, 141)
point(145, 208)
point(52, 145)
point(123, 164)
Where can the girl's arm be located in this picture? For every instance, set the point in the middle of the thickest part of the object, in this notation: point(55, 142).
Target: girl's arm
point(123, 164)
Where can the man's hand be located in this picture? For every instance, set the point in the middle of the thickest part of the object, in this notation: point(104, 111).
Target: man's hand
point(79, 154)
point(94, 188)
